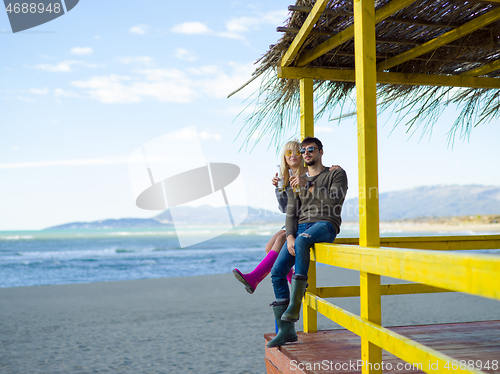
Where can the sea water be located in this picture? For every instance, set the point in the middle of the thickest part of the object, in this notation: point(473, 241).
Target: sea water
point(50, 257)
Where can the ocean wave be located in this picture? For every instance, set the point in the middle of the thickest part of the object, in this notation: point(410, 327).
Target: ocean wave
point(119, 250)
point(88, 254)
point(141, 233)
point(17, 237)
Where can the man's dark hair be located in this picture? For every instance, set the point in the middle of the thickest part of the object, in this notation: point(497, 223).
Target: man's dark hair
point(310, 140)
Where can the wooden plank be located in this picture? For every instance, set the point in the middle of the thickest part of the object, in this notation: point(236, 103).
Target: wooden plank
point(385, 290)
point(271, 369)
point(347, 34)
point(306, 108)
point(476, 341)
point(407, 21)
point(347, 75)
point(311, 19)
point(484, 69)
point(476, 274)
point(400, 346)
point(441, 40)
point(448, 243)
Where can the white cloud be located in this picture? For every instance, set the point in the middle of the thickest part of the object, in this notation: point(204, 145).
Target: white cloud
point(163, 86)
point(162, 74)
point(184, 54)
point(82, 51)
point(191, 28)
point(139, 29)
point(14, 147)
point(84, 162)
point(65, 66)
point(39, 91)
point(62, 67)
point(242, 24)
point(234, 28)
point(138, 60)
point(168, 85)
point(59, 92)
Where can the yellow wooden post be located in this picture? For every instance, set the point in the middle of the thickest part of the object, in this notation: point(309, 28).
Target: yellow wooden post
point(366, 99)
point(307, 129)
point(310, 320)
point(306, 108)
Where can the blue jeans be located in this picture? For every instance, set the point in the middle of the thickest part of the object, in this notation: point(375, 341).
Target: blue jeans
point(307, 235)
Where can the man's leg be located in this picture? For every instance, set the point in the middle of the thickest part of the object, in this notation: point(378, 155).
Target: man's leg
point(286, 330)
point(317, 232)
point(280, 269)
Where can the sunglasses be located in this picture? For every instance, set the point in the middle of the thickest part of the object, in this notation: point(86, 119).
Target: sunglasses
point(308, 149)
point(289, 153)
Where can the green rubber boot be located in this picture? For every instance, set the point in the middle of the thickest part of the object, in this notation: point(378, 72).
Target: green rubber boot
point(299, 285)
point(286, 330)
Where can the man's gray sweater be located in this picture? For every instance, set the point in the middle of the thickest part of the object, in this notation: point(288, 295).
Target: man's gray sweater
point(323, 204)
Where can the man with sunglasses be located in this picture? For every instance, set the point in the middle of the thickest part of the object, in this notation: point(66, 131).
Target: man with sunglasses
point(313, 216)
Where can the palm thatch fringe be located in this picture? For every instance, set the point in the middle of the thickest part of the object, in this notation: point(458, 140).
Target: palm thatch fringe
point(276, 103)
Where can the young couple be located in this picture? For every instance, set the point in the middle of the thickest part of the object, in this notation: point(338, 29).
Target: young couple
point(312, 216)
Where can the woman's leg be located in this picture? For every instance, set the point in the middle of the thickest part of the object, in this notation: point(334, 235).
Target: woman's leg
point(274, 242)
point(252, 279)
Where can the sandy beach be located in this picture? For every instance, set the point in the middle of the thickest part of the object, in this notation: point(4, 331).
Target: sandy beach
point(205, 324)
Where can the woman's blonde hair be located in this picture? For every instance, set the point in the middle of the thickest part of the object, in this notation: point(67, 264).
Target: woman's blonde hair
point(291, 146)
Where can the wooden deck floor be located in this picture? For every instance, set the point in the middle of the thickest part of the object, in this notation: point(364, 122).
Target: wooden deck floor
point(338, 351)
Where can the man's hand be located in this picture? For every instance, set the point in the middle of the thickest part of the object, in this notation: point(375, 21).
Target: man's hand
point(297, 180)
point(275, 180)
point(290, 243)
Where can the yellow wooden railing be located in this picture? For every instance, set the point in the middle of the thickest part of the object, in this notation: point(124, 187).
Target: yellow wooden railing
point(433, 271)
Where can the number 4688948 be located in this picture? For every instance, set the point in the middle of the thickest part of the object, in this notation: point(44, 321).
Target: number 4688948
point(33, 8)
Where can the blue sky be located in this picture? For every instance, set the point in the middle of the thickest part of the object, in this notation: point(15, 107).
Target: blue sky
point(80, 93)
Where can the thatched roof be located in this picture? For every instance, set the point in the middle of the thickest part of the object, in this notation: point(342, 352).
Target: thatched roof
point(277, 101)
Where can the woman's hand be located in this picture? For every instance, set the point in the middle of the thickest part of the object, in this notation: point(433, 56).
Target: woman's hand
point(290, 244)
point(275, 180)
point(296, 180)
point(334, 167)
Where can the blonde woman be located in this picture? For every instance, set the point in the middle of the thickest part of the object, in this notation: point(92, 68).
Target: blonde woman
point(291, 159)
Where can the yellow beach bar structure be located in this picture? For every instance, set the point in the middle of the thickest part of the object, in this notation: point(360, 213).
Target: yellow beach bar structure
point(319, 48)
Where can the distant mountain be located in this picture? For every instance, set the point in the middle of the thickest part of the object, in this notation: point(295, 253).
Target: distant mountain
point(427, 201)
point(432, 201)
point(123, 223)
point(203, 215)
point(208, 215)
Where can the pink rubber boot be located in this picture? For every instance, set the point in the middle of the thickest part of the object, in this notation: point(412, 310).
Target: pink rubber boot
point(251, 280)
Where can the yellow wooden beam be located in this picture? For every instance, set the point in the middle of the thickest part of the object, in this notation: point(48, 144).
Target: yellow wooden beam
point(347, 34)
point(306, 28)
point(440, 243)
point(399, 345)
point(485, 69)
point(476, 274)
point(310, 319)
point(345, 75)
point(441, 40)
point(306, 108)
point(366, 102)
point(385, 290)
